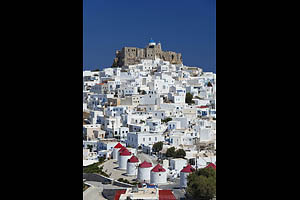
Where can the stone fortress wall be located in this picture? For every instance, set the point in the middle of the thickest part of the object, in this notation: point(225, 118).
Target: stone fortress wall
point(133, 55)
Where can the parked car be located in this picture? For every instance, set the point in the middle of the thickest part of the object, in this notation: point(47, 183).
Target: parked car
point(152, 186)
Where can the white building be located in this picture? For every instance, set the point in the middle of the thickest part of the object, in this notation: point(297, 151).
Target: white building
point(177, 164)
point(135, 139)
point(131, 104)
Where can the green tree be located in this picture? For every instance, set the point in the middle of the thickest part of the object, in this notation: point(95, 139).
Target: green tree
point(189, 98)
point(201, 184)
point(158, 146)
point(90, 147)
point(180, 153)
point(171, 152)
point(144, 92)
point(209, 84)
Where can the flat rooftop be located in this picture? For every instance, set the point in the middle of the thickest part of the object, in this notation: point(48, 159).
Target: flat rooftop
point(142, 193)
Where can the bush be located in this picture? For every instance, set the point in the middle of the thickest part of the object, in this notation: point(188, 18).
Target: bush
point(166, 120)
point(144, 92)
point(94, 167)
point(124, 180)
point(128, 182)
point(189, 98)
point(90, 147)
point(180, 153)
point(101, 159)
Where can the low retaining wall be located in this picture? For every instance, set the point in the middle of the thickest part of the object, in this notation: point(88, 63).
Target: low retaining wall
point(100, 178)
point(121, 184)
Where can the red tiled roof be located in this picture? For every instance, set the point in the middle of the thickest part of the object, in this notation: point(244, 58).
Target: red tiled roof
point(166, 195)
point(125, 152)
point(145, 165)
point(211, 165)
point(188, 169)
point(122, 149)
point(202, 106)
point(118, 146)
point(133, 159)
point(118, 194)
point(158, 168)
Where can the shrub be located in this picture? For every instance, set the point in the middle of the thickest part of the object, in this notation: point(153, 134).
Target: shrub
point(124, 180)
point(171, 152)
point(166, 120)
point(189, 98)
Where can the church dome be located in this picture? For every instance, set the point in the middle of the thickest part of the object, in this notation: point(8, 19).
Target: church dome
point(151, 42)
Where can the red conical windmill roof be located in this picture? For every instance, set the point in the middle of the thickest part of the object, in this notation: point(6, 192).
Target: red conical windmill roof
point(145, 165)
point(122, 149)
point(211, 165)
point(158, 168)
point(125, 152)
point(188, 169)
point(133, 159)
point(118, 146)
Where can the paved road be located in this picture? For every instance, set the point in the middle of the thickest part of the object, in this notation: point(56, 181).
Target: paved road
point(111, 168)
point(93, 193)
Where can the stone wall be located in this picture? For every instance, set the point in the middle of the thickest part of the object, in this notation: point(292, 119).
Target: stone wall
point(133, 55)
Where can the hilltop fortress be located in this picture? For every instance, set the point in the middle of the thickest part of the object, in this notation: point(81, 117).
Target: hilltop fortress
point(133, 55)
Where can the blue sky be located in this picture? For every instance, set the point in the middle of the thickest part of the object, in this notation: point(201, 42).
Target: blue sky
point(188, 27)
